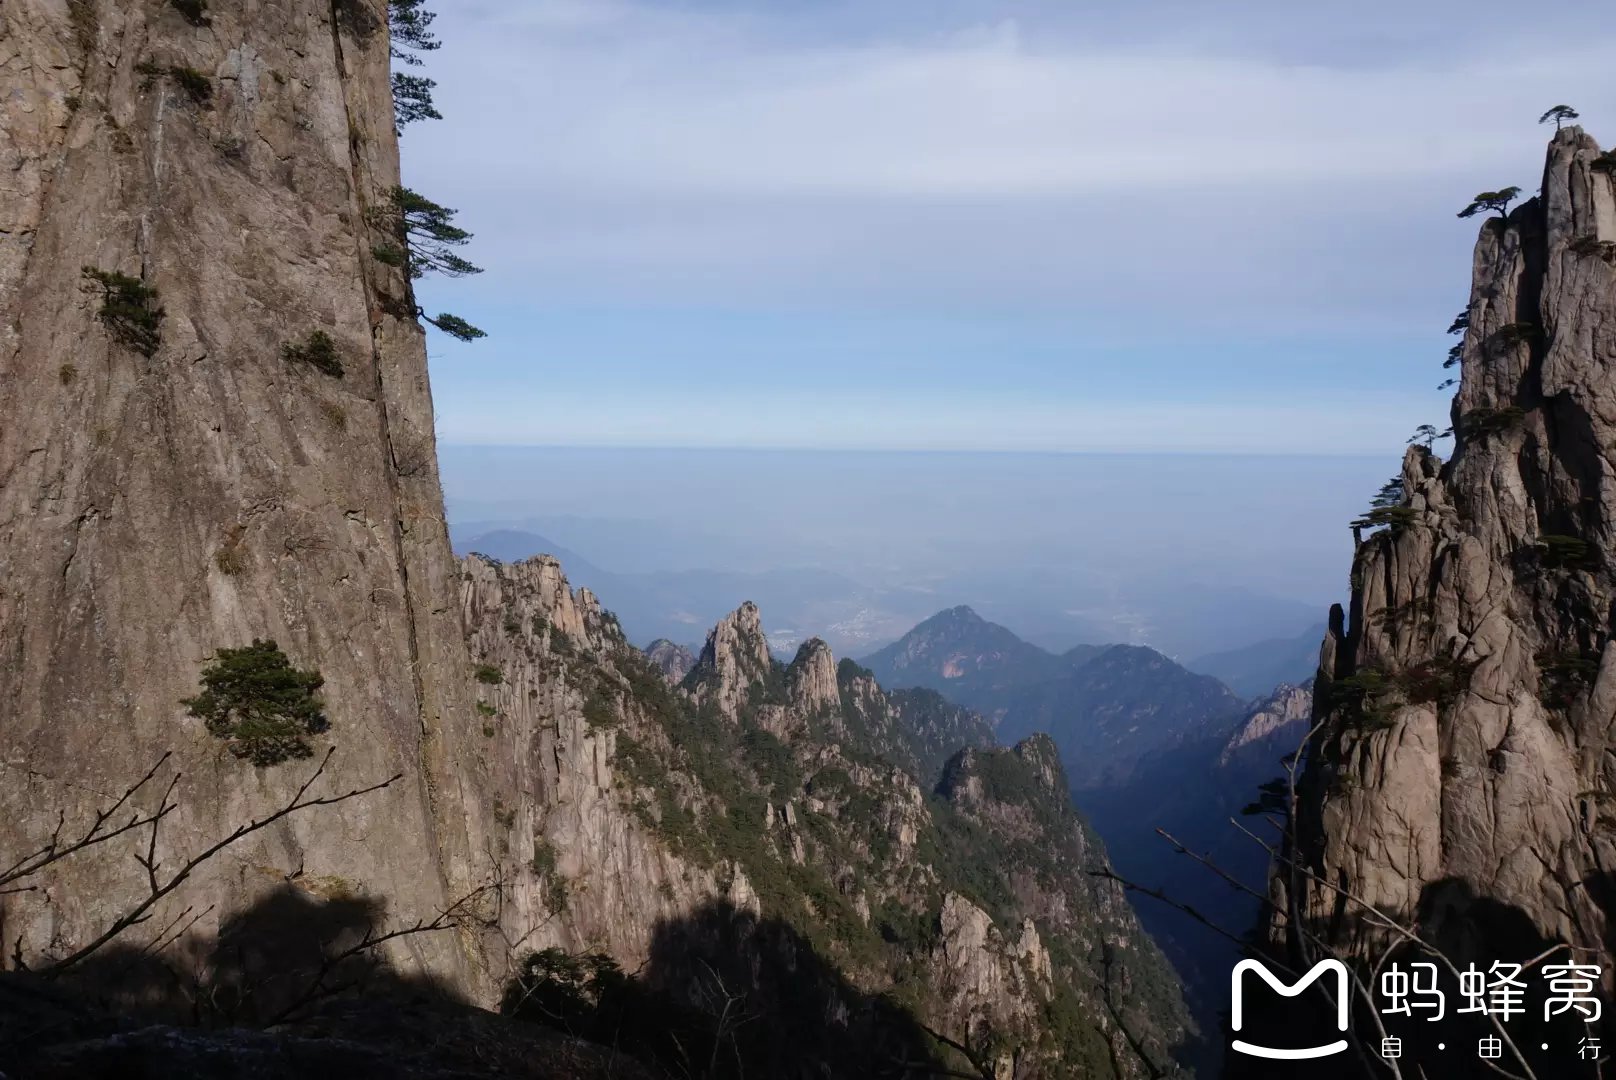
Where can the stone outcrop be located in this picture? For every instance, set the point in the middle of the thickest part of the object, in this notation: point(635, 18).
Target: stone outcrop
point(735, 658)
point(1282, 714)
point(1462, 782)
point(584, 872)
point(672, 659)
point(165, 497)
point(811, 679)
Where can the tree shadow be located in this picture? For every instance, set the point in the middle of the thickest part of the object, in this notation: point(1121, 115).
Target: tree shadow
point(726, 994)
point(285, 958)
point(269, 963)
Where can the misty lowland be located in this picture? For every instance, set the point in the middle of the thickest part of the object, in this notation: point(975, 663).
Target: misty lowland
point(737, 541)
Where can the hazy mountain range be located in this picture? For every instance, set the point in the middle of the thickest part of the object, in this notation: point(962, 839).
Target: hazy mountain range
point(1105, 705)
point(1054, 608)
point(1254, 670)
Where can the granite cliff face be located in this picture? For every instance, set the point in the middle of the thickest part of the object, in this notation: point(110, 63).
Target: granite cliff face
point(1461, 781)
point(175, 484)
point(1273, 728)
point(735, 658)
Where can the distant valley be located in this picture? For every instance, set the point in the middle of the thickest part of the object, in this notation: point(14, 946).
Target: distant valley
point(1147, 744)
point(1145, 741)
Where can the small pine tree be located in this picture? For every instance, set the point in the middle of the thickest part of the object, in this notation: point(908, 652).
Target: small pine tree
point(318, 351)
point(1492, 201)
point(412, 100)
point(261, 705)
point(128, 309)
point(424, 237)
point(410, 25)
point(1387, 508)
point(426, 234)
point(1559, 114)
point(455, 326)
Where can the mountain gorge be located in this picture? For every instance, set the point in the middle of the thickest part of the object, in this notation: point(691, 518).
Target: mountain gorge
point(1147, 746)
point(382, 775)
point(1194, 792)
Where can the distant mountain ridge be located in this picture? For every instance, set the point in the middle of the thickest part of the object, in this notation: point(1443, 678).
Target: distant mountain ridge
point(970, 660)
point(1106, 706)
point(1254, 670)
point(680, 604)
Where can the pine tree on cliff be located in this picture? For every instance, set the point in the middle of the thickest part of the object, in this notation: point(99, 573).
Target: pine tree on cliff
point(1492, 201)
point(424, 231)
point(1559, 114)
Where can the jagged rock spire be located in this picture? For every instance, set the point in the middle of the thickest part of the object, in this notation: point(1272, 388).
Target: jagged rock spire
point(812, 678)
point(1468, 695)
point(734, 660)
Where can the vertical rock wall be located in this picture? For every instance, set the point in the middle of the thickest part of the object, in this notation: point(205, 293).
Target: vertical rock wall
point(1463, 780)
point(156, 508)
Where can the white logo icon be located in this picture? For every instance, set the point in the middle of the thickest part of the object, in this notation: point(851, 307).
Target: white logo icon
point(1335, 967)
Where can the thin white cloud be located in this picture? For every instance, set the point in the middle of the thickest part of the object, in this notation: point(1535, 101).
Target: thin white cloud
point(850, 418)
point(640, 101)
point(1236, 175)
point(613, 152)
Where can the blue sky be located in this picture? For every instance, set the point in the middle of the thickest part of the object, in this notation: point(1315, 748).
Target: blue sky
point(955, 225)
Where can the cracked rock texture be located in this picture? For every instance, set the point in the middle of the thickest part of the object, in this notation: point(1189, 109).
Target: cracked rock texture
point(1463, 775)
point(735, 658)
point(673, 659)
point(156, 508)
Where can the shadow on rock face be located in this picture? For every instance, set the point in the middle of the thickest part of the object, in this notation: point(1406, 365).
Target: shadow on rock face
point(726, 995)
point(269, 964)
point(279, 994)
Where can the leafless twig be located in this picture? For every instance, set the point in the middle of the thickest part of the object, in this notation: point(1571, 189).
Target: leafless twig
point(159, 886)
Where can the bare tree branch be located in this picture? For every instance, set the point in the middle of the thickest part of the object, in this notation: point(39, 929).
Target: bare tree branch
point(158, 888)
point(55, 850)
point(1156, 894)
point(318, 989)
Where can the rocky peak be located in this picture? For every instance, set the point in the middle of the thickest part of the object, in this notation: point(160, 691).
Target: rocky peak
point(734, 660)
point(811, 678)
point(552, 608)
point(1466, 696)
point(1042, 757)
point(671, 658)
point(1285, 710)
point(949, 645)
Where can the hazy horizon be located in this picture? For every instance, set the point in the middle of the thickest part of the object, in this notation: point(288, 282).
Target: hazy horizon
point(1063, 548)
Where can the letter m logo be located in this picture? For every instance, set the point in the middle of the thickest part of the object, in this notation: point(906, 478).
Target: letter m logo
point(1238, 1011)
